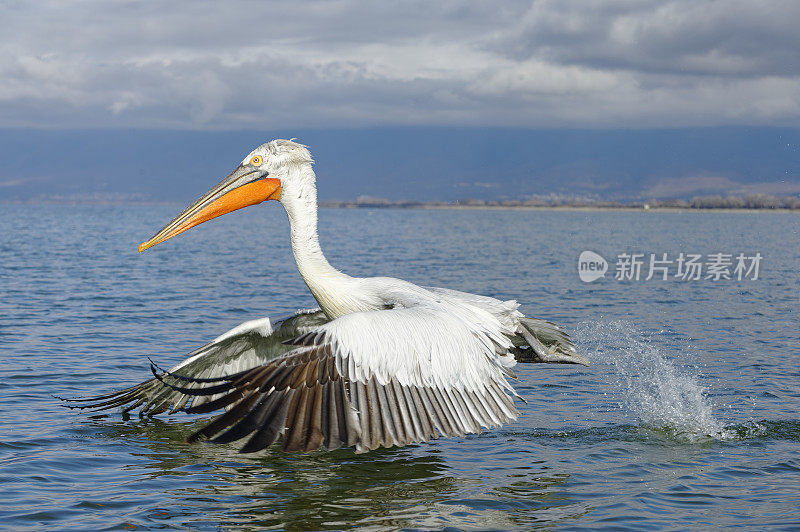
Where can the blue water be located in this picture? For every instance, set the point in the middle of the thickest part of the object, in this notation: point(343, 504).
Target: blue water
point(689, 416)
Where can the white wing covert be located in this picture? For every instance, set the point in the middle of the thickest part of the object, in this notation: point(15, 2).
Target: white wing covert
point(367, 379)
point(537, 340)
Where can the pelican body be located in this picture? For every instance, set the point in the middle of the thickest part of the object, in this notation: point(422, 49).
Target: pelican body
point(381, 362)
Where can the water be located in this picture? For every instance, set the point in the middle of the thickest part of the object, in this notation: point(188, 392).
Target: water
point(689, 416)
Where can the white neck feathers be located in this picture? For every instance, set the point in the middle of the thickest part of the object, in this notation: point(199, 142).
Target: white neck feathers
point(329, 286)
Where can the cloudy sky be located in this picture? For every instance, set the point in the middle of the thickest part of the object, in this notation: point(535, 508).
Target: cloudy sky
point(203, 65)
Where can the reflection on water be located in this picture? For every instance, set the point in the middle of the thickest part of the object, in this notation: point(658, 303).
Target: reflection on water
point(275, 489)
point(384, 489)
point(505, 479)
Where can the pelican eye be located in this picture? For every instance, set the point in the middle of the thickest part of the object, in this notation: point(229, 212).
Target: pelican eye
point(256, 160)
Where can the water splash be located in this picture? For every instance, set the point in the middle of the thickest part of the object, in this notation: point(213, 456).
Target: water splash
point(664, 396)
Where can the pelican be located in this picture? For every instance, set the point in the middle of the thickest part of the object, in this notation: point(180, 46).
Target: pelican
point(381, 363)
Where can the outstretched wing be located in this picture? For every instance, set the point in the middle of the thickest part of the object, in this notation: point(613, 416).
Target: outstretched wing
point(367, 379)
point(537, 340)
point(248, 345)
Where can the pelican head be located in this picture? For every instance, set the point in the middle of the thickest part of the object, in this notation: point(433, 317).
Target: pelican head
point(264, 174)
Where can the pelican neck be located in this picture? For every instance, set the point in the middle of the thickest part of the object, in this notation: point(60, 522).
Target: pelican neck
point(328, 285)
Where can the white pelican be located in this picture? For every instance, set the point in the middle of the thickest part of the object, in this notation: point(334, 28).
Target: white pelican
point(382, 362)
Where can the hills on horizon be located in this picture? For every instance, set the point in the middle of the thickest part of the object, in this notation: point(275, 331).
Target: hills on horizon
point(410, 164)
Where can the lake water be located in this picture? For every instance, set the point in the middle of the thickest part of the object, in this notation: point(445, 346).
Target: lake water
point(689, 416)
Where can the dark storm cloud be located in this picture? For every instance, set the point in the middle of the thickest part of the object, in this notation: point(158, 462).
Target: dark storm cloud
point(735, 38)
point(344, 63)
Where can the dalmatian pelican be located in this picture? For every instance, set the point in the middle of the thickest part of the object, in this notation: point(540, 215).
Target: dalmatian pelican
point(381, 362)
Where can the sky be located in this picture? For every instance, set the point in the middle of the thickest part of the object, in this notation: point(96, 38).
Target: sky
point(189, 64)
point(287, 67)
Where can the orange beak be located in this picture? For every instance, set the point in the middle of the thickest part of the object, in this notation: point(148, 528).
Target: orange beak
point(243, 187)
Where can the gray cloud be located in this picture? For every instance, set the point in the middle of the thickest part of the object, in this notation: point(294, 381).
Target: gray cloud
point(680, 37)
point(213, 65)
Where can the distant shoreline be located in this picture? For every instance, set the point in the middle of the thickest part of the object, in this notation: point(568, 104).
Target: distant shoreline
point(591, 208)
point(563, 207)
point(437, 206)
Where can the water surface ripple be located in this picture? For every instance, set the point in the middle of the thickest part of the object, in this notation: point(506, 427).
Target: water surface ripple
point(689, 416)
